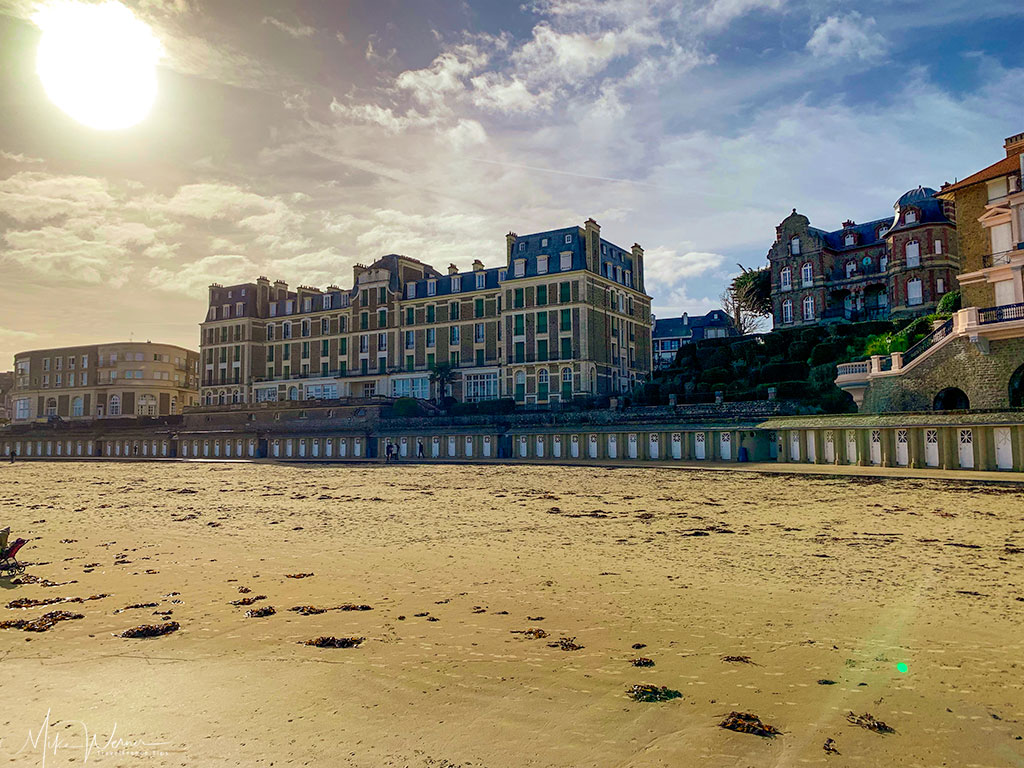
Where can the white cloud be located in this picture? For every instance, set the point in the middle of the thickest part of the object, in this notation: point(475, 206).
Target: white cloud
point(295, 30)
point(65, 257)
point(195, 277)
point(847, 37)
point(719, 13)
point(17, 157)
point(31, 196)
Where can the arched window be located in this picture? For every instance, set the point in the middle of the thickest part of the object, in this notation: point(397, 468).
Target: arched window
point(543, 381)
point(914, 296)
point(115, 405)
point(808, 307)
point(220, 398)
point(913, 254)
point(293, 393)
point(566, 383)
point(520, 385)
point(147, 405)
point(51, 407)
point(850, 239)
point(794, 246)
point(270, 331)
point(807, 274)
point(286, 329)
point(910, 217)
point(786, 278)
point(76, 407)
point(851, 267)
point(787, 311)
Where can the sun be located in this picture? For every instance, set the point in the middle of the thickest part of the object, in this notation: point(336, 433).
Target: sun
point(97, 62)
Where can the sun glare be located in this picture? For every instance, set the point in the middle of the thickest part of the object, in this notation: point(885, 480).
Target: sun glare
point(97, 62)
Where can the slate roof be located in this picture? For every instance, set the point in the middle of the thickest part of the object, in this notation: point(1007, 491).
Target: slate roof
point(673, 327)
point(1003, 167)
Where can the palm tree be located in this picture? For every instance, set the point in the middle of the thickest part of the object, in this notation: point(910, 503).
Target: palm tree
point(441, 375)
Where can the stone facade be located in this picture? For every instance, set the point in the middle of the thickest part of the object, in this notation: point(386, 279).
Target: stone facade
point(565, 316)
point(984, 378)
point(899, 266)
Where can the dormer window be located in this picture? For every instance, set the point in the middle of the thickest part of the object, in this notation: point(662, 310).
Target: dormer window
point(910, 217)
point(480, 280)
point(431, 287)
point(543, 242)
point(522, 247)
point(410, 291)
point(881, 231)
point(456, 284)
point(327, 301)
point(307, 304)
point(519, 265)
point(794, 246)
point(566, 260)
point(568, 238)
point(542, 265)
point(502, 274)
point(850, 239)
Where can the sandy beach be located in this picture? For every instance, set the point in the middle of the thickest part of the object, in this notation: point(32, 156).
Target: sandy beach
point(820, 588)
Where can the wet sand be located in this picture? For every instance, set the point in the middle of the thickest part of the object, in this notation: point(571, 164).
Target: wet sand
point(812, 578)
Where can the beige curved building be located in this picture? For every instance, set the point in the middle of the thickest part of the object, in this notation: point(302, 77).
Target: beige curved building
point(100, 381)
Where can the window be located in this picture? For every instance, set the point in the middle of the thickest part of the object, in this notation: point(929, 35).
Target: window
point(997, 188)
point(456, 282)
point(478, 308)
point(410, 339)
point(115, 405)
point(565, 322)
point(938, 246)
point(565, 292)
point(794, 246)
point(325, 326)
point(518, 325)
point(566, 383)
point(519, 267)
point(147, 405)
point(808, 307)
point(325, 349)
point(286, 329)
point(410, 291)
point(786, 278)
point(543, 242)
point(364, 321)
point(481, 280)
point(430, 313)
point(289, 307)
point(431, 337)
point(455, 360)
point(364, 297)
point(566, 352)
point(940, 286)
point(382, 342)
point(543, 381)
point(431, 287)
point(520, 352)
point(21, 409)
point(270, 331)
point(306, 328)
point(522, 247)
point(480, 386)
point(453, 311)
point(478, 333)
point(520, 385)
point(542, 295)
point(850, 239)
point(851, 267)
point(327, 301)
point(910, 217)
point(542, 322)
point(542, 350)
point(913, 254)
point(568, 238)
point(364, 343)
point(382, 318)
point(787, 311)
point(542, 265)
point(418, 387)
point(453, 335)
point(914, 296)
point(807, 274)
point(76, 407)
point(565, 263)
point(502, 274)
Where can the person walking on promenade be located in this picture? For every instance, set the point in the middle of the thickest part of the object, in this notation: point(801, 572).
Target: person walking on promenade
point(13, 454)
point(419, 449)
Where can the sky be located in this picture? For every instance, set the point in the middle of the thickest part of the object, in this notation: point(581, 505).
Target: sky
point(296, 138)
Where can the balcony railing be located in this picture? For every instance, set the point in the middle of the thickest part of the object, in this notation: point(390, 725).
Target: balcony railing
point(1003, 257)
point(854, 369)
point(839, 273)
point(928, 341)
point(857, 315)
point(1000, 314)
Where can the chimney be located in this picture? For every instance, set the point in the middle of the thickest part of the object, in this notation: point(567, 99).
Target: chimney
point(638, 268)
point(686, 318)
point(849, 223)
point(452, 269)
point(510, 240)
point(1014, 145)
point(478, 265)
point(592, 233)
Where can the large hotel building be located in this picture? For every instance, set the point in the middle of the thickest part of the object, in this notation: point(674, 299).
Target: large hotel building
point(565, 316)
point(99, 381)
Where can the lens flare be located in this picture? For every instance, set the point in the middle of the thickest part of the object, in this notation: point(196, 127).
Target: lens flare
point(902, 668)
point(97, 62)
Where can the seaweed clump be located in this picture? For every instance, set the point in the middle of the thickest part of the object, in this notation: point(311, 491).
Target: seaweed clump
point(335, 642)
point(151, 630)
point(745, 722)
point(652, 693)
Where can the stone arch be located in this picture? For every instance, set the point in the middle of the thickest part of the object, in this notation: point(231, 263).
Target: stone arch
point(951, 399)
point(1017, 388)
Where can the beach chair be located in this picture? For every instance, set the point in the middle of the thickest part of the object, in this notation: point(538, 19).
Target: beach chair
point(9, 565)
